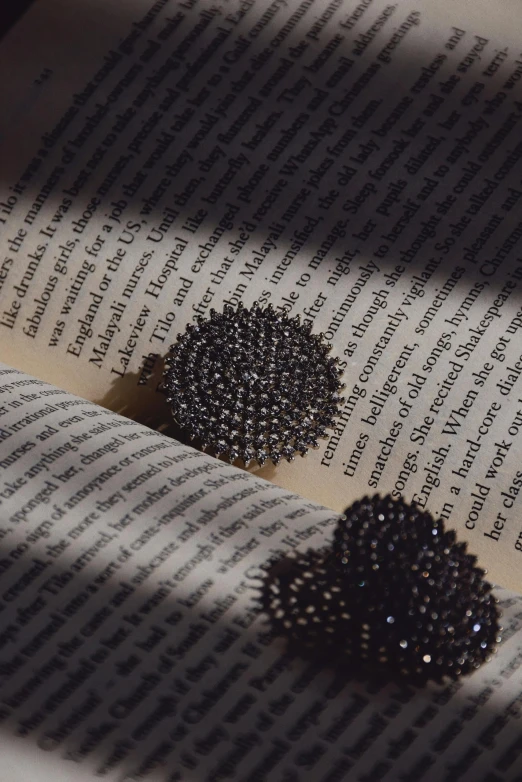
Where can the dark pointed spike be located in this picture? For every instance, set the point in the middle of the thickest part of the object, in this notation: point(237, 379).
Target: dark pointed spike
point(284, 371)
point(416, 617)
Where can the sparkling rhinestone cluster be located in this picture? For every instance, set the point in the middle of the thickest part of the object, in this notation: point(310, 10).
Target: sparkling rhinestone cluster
point(253, 384)
point(395, 589)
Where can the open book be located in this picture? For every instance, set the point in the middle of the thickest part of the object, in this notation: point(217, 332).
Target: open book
point(356, 163)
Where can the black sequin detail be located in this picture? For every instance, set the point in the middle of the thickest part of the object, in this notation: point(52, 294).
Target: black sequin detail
point(395, 590)
point(253, 384)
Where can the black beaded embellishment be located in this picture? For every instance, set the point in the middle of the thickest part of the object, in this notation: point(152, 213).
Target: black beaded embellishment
point(253, 384)
point(303, 595)
point(395, 590)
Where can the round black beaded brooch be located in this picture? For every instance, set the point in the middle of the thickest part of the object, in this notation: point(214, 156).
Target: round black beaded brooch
point(253, 384)
point(395, 589)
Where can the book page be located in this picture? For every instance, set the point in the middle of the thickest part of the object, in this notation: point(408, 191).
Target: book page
point(133, 648)
point(354, 163)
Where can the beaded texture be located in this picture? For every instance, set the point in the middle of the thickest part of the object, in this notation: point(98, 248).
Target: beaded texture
point(253, 384)
point(395, 590)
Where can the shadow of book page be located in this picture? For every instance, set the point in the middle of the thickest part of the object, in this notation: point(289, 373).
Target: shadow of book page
point(132, 643)
point(354, 164)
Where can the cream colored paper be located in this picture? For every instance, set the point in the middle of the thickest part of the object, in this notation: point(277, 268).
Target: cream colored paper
point(352, 163)
point(132, 645)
